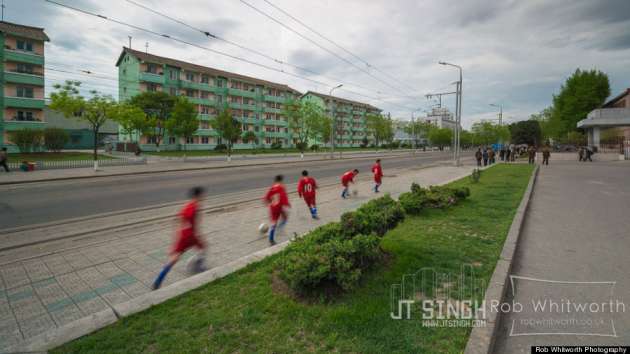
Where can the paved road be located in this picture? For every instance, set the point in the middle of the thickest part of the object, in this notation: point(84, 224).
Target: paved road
point(53, 201)
point(576, 230)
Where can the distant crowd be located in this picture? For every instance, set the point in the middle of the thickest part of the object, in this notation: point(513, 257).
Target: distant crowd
point(509, 153)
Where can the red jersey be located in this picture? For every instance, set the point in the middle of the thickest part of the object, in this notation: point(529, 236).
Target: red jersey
point(347, 178)
point(188, 217)
point(377, 170)
point(306, 187)
point(277, 196)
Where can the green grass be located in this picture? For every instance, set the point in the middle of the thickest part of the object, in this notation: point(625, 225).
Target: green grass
point(242, 313)
point(54, 156)
point(249, 151)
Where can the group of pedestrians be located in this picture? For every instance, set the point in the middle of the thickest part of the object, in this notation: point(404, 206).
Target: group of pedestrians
point(277, 201)
point(487, 155)
point(585, 153)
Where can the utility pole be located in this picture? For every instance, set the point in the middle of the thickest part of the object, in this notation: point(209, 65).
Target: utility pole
point(458, 111)
point(334, 121)
point(3, 10)
point(500, 107)
point(129, 41)
point(439, 96)
point(146, 47)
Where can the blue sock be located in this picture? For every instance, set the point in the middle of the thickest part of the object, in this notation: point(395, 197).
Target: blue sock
point(161, 276)
point(272, 232)
point(344, 193)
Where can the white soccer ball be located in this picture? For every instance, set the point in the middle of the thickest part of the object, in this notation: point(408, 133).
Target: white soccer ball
point(263, 228)
point(196, 264)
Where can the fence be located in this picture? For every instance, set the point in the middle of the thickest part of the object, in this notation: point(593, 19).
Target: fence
point(52, 165)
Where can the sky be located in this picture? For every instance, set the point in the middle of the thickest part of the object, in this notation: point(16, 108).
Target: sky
point(514, 53)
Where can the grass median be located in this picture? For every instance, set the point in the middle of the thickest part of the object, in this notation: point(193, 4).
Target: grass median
point(244, 312)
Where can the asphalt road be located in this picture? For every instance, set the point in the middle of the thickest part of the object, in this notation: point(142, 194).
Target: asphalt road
point(55, 201)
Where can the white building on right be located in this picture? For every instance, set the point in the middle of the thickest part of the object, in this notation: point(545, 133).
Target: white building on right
point(441, 117)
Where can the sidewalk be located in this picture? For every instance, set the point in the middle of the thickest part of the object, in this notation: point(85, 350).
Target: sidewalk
point(48, 291)
point(576, 230)
point(170, 166)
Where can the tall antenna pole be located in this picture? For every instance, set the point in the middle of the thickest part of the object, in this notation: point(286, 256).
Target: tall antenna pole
point(146, 47)
point(129, 41)
point(3, 10)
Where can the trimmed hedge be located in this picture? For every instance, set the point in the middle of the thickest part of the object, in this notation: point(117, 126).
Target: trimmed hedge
point(436, 197)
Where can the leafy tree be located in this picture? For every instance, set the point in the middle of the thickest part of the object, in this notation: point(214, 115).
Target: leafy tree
point(183, 122)
point(379, 127)
point(544, 121)
point(387, 130)
point(417, 129)
point(526, 132)
point(228, 128)
point(576, 138)
point(158, 106)
point(304, 119)
point(323, 129)
point(580, 94)
point(466, 138)
point(487, 133)
point(440, 137)
point(249, 137)
point(27, 139)
point(95, 111)
point(55, 139)
point(131, 119)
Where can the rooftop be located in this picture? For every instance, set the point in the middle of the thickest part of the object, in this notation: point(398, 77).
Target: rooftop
point(335, 98)
point(152, 58)
point(23, 31)
point(614, 100)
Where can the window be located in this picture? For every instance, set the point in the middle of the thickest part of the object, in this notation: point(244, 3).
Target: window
point(205, 110)
point(219, 99)
point(204, 140)
point(205, 79)
point(219, 83)
point(204, 94)
point(124, 71)
point(125, 89)
point(190, 93)
point(152, 87)
point(190, 140)
point(26, 92)
point(152, 68)
point(24, 45)
point(25, 116)
point(190, 76)
point(172, 91)
point(25, 68)
point(171, 140)
point(172, 74)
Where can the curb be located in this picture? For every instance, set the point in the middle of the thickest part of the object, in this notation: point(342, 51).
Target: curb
point(84, 326)
point(195, 169)
point(482, 339)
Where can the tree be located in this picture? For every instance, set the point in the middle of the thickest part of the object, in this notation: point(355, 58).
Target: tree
point(440, 137)
point(417, 129)
point(387, 130)
point(576, 138)
point(27, 139)
point(379, 127)
point(249, 137)
point(544, 121)
point(95, 111)
point(466, 138)
point(131, 119)
point(228, 128)
point(55, 139)
point(183, 122)
point(304, 119)
point(158, 107)
point(488, 133)
point(580, 94)
point(526, 132)
point(323, 129)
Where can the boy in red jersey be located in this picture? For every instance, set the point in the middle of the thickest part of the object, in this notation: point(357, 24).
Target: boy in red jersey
point(377, 170)
point(187, 236)
point(306, 189)
point(346, 179)
point(278, 202)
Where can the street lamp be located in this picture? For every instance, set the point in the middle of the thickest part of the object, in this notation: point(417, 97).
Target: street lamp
point(458, 111)
point(334, 122)
point(500, 107)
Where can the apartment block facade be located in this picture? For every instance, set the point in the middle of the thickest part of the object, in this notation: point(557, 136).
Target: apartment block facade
point(22, 79)
point(256, 103)
point(349, 116)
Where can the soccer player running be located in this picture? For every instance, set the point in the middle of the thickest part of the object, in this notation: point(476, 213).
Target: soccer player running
point(377, 170)
point(187, 236)
point(306, 189)
point(346, 179)
point(278, 202)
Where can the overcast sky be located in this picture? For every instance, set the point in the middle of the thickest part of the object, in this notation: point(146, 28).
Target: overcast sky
point(515, 53)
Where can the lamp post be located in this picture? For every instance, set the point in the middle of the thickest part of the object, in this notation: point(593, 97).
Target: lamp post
point(500, 107)
point(458, 111)
point(334, 121)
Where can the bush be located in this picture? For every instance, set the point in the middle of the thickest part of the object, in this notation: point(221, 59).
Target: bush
point(220, 148)
point(301, 146)
point(412, 203)
point(314, 147)
point(435, 197)
point(376, 216)
point(27, 139)
point(276, 146)
point(336, 263)
point(55, 139)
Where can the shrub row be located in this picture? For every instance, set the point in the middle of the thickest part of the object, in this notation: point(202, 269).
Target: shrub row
point(335, 255)
point(433, 197)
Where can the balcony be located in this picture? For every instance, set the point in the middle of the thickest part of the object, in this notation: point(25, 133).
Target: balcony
point(276, 122)
point(23, 102)
point(206, 117)
point(23, 57)
point(272, 110)
point(276, 135)
point(248, 120)
point(24, 78)
point(151, 77)
point(277, 99)
point(235, 105)
point(242, 93)
point(195, 85)
point(202, 101)
point(13, 125)
point(206, 132)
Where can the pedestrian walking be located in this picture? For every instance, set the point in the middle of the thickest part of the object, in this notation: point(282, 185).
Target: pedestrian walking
point(581, 154)
point(346, 179)
point(512, 152)
point(485, 157)
point(502, 153)
point(377, 170)
point(306, 189)
point(4, 159)
point(278, 202)
point(531, 154)
point(491, 156)
point(546, 152)
point(588, 153)
point(478, 156)
point(507, 154)
point(187, 236)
